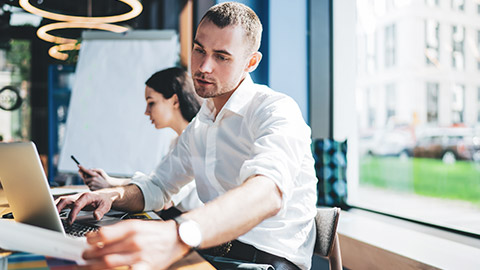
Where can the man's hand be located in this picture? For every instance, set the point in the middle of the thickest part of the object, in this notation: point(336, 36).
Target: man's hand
point(94, 178)
point(99, 203)
point(126, 198)
point(139, 244)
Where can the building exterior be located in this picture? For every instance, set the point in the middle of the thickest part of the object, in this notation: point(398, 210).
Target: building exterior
point(418, 63)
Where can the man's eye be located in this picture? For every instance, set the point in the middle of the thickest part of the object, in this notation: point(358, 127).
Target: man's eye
point(199, 50)
point(221, 57)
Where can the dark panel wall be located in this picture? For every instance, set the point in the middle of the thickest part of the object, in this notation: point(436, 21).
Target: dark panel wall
point(39, 93)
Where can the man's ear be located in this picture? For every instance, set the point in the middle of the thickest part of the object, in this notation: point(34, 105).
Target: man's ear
point(253, 61)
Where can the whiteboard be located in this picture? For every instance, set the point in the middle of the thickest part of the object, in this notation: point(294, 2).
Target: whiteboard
point(106, 126)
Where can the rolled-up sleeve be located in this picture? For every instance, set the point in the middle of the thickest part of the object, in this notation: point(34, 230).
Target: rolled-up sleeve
point(172, 173)
point(281, 142)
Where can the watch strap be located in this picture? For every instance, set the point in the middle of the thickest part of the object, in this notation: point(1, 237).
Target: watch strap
point(179, 220)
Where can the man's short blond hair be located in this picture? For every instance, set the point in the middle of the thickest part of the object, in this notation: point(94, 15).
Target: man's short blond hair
point(232, 14)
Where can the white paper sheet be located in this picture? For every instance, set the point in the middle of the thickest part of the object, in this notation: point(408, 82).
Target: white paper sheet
point(26, 238)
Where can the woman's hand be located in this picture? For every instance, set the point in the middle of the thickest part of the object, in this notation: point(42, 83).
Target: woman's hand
point(95, 178)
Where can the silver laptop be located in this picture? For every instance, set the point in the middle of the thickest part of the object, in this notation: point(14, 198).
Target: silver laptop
point(28, 192)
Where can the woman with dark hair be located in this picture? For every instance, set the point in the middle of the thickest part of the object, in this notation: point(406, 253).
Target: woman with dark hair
point(171, 82)
point(173, 103)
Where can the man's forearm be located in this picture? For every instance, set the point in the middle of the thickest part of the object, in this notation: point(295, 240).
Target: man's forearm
point(126, 198)
point(237, 211)
point(115, 182)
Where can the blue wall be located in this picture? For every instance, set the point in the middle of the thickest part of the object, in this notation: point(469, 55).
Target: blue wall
point(261, 74)
point(284, 48)
point(288, 50)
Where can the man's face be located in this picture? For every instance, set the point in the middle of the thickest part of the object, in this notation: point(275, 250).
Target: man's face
point(219, 59)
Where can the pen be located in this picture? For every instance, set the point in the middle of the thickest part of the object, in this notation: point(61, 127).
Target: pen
point(74, 159)
point(85, 174)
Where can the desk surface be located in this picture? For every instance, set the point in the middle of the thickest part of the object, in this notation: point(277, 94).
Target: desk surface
point(25, 261)
point(191, 261)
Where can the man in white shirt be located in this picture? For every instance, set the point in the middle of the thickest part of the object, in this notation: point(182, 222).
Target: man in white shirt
point(249, 152)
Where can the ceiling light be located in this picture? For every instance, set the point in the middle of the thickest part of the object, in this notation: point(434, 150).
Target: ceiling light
point(69, 21)
point(134, 4)
point(42, 32)
point(57, 51)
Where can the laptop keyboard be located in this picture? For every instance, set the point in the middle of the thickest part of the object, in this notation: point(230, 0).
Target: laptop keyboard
point(78, 229)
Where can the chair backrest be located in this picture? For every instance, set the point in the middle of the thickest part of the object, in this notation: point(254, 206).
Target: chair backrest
point(326, 222)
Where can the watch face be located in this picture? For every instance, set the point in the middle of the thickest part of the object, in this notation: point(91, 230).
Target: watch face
point(190, 234)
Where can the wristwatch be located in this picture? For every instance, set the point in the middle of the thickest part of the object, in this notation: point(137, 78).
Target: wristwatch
point(189, 232)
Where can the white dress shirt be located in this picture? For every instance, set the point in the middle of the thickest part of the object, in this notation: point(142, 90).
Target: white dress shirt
point(258, 131)
point(187, 198)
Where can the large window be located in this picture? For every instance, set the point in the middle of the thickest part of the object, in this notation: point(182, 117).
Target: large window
point(458, 38)
point(432, 42)
point(371, 52)
point(414, 132)
point(432, 3)
point(390, 97)
point(478, 105)
point(458, 104)
point(432, 103)
point(458, 5)
point(389, 45)
point(477, 54)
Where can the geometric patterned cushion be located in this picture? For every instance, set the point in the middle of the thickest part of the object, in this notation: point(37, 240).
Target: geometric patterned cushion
point(331, 169)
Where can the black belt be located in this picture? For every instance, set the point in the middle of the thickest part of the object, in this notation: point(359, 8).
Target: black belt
point(241, 251)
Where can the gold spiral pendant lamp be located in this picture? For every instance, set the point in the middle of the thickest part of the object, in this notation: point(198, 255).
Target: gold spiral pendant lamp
point(84, 22)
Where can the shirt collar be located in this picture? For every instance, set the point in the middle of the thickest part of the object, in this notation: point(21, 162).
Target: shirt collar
point(235, 103)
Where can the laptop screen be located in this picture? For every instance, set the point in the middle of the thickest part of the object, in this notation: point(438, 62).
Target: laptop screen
point(26, 186)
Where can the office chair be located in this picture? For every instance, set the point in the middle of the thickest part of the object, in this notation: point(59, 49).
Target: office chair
point(326, 243)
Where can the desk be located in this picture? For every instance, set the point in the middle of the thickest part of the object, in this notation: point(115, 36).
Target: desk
point(25, 261)
point(31, 261)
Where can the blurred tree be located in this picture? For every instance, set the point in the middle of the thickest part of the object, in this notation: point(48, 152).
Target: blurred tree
point(18, 60)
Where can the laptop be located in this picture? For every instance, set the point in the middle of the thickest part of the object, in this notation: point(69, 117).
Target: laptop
point(28, 193)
